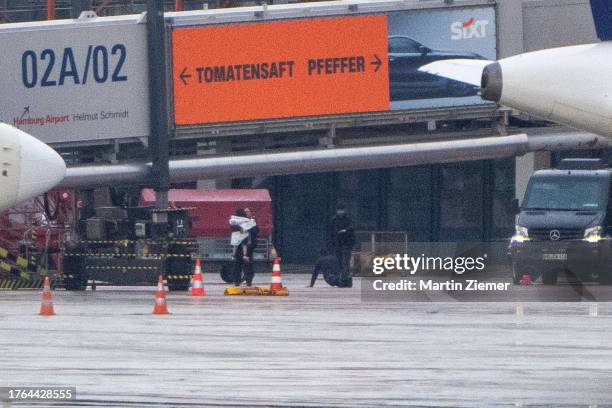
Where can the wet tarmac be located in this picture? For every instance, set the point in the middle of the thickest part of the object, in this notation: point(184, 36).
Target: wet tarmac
point(320, 347)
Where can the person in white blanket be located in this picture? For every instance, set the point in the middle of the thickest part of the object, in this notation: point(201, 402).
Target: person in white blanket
point(243, 240)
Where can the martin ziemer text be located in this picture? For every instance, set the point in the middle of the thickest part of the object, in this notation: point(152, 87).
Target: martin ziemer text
point(428, 284)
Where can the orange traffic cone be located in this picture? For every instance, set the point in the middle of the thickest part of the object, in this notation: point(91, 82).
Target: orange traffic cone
point(526, 280)
point(197, 287)
point(276, 283)
point(46, 307)
point(161, 308)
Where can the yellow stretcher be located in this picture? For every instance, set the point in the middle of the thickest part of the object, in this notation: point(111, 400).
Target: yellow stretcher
point(255, 291)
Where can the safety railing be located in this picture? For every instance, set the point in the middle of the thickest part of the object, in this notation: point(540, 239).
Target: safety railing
point(381, 242)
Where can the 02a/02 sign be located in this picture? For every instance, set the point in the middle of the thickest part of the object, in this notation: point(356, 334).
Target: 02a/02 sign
point(51, 68)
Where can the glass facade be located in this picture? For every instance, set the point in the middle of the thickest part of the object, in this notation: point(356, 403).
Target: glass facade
point(409, 201)
point(462, 213)
point(468, 201)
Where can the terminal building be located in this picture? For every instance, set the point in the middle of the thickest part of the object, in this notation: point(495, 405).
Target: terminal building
point(465, 200)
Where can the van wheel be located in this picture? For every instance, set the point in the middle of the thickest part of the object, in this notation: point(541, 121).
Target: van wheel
point(549, 277)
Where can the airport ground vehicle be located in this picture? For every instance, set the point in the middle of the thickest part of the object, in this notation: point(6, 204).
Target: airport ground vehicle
point(565, 224)
point(128, 245)
point(131, 242)
point(116, 236)
point(31, 236)
point(406, 82)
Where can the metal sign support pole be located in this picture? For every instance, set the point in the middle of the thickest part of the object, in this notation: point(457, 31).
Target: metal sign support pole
point(50, 9)
point(158, 138)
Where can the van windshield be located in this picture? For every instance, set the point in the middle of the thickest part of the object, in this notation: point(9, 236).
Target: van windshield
point(577, 193)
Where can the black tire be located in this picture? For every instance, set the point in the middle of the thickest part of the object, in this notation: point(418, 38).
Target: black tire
point(182, 267)
point(227, 273)
point(75, 277)
point(550, 277)
point(74, 284)
point(77, 282)
point(178, 286)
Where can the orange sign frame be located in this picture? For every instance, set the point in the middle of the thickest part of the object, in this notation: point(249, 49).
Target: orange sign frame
point(280, 69)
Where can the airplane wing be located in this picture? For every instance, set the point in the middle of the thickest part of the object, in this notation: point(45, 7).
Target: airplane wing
point(462, 70)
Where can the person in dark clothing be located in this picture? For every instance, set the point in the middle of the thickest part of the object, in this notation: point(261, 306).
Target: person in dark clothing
point(238, 264)
point(342, 239)
point(327, 264)
point(251, 245)
point(239, 251)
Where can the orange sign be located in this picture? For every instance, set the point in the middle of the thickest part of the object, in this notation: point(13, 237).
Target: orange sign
point(280, 69)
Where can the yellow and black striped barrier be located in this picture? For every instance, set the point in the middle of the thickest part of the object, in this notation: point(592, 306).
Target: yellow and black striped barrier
point(178, 277)
point(130, 255)
point(126, 268)
point(168, 277)
point(20, 262)
point(20, 283)
point(7, 267)
point(145, 241)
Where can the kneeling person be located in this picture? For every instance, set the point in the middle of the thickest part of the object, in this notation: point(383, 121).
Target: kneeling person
point(328, 265)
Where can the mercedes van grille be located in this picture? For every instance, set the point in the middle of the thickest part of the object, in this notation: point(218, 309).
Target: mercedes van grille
point(547, 234)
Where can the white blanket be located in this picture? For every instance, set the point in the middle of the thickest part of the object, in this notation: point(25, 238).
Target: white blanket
point(245, 224)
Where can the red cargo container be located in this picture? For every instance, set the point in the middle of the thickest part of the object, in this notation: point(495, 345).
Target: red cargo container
point(213, 208)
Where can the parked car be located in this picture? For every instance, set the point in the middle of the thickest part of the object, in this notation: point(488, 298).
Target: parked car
point(407, 82)
point(564, 224)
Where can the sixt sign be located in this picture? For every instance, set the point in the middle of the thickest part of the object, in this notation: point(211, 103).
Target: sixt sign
point(76, 81)
point(471, 28)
